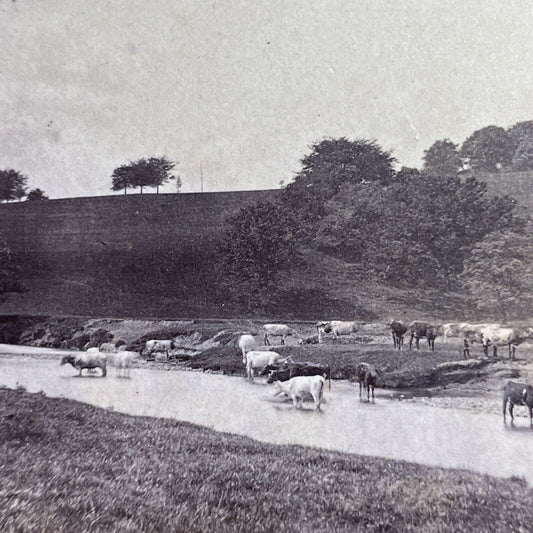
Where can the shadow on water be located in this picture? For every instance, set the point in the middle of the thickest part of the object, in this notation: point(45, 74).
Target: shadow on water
point(512, 428)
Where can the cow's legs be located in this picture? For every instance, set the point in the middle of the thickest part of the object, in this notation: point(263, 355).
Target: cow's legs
point(494, 350)
point(411, 341)
point(511, 405)
point(418, 343)
point(283, 339)
point(266, 341)
point(466, 349)
point(504, 407)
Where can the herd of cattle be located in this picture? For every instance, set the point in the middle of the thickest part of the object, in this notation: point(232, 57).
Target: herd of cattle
point(486, 335)
point(299, 379)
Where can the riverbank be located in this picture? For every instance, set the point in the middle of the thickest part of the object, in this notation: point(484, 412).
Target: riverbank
point(70, 466)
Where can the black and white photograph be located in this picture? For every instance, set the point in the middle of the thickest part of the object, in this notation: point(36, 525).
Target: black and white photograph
point(266, 266)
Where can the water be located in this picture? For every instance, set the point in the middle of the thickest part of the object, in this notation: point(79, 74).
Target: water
point(388, 428)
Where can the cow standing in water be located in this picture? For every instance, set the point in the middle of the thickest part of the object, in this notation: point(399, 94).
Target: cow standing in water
point(518, 394)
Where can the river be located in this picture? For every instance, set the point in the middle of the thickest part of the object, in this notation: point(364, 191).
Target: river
point(389, 428)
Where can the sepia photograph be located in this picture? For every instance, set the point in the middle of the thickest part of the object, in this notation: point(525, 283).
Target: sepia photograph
point(266, 266)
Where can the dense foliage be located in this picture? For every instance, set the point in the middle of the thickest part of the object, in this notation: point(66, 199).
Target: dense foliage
point(418, 229)
point(12, 185)
point(330, 165)
point(258, 246)
point(442, 159)
point(498, 274)
point(145, 172)
point(488, 149)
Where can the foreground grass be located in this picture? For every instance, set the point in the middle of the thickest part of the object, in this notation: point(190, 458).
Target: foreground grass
point(69, 467)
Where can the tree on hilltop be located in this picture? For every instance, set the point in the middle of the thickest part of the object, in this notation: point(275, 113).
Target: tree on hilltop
point(442, 159)
point(36, 195)
point(12, 185)
point(145, 172)
point(489, 149)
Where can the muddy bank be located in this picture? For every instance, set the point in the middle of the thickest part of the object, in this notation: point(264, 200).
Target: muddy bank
point(210, 346)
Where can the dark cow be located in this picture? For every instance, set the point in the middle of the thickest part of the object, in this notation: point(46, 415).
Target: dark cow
point(423, 329)
point(518, 394)
point(89, 360)
point(367, 376)
point(399, 329)
point(300, 369)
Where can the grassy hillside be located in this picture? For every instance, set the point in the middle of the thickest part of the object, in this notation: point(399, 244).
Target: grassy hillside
point(155, 255)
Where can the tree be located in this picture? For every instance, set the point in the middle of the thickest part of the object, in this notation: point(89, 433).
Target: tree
point(498, 275)
point(522, 135)
point(489, 149)
point(442, 159)
point(12, 185)
point(36, 195)
point(331, 164)
point(145, 172)
point(256, 248)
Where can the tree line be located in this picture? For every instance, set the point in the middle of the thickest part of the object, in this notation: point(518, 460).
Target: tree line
point(14, 186)
point(435, 227)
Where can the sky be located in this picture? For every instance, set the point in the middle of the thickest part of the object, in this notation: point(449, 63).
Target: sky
point(237, 91)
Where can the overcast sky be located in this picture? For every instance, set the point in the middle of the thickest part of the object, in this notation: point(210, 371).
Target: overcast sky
point(242, 88)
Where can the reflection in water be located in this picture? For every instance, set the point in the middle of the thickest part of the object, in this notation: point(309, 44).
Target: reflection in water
point(423, 434)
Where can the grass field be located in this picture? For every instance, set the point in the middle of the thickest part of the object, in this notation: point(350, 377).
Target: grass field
point(71, 467)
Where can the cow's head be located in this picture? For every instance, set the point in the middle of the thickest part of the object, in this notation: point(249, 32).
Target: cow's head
point(68, 359)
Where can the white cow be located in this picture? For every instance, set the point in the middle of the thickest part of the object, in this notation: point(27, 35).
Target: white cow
point(163, 346)
point(278, 330)
point(298, 387)
point(88, 360)
point(508, 336)
point(122, 361)
point(246, 343)
point(260, 359)
point(337, 327)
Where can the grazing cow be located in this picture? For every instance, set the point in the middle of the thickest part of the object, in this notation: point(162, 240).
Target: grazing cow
point(518, 394)
point(298, 387)
point(108, 347)
point(87, 360)
point(299, 369)
point(337, 327)
point(510, 337)
point(122, 361)
point(399, 329)
point(163, 346)
point(246, 343)
point(258, 359)
point(423, 329)
point(367, 376)
point(278, 330)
